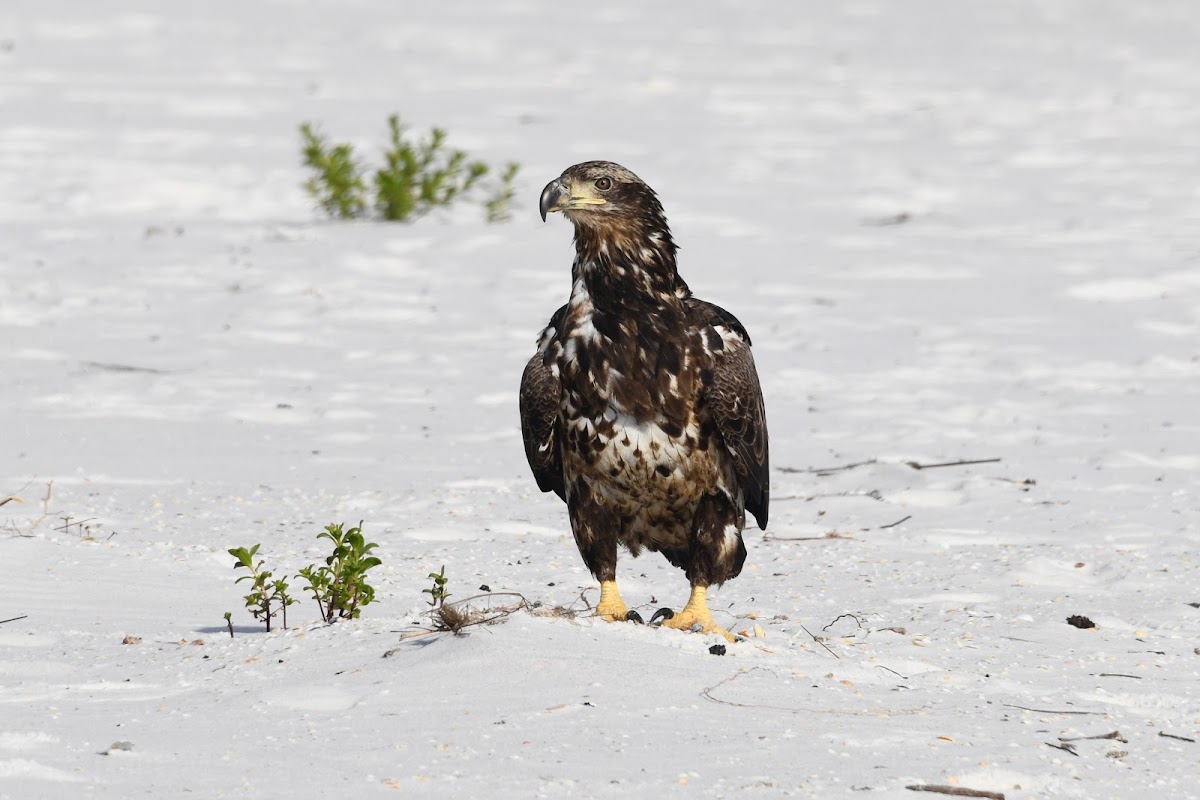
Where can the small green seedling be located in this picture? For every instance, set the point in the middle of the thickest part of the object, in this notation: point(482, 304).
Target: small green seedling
point(229, 622)
point(265, 592)
point(437, 593)
point(279, 589)
point(340, 586)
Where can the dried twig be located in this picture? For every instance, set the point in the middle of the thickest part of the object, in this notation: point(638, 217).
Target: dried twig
point(453, 617)
point(956, 791)
point(818, 641)
point(1065, 747)
point(829, 470)
point(583, 597)
point(26, 616)
point(45, 507)
point(840, 617)
point(108, 367)
point(15, 496)
point(568, 613)
point(17, 529)
point(767, 537)
point(461, 615)
point(964, 463)
point(1173, 736)
point(1113, 735)
point(708, 694)
point(1052, 711)
point(894, 524)
point(1018, 481)
point(873, 494)
point(890, 219)
point(1117, 675)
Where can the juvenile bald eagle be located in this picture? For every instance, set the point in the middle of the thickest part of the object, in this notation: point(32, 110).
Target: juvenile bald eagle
point(641, 408)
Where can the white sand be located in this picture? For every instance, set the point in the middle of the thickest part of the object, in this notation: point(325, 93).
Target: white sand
point(1036, 302)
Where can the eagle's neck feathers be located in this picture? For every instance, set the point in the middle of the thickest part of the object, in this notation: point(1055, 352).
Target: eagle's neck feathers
point(628, 262)
point(625, 334)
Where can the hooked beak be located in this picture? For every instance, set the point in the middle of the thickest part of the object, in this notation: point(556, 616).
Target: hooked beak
point(563, 194)
point(555, 197)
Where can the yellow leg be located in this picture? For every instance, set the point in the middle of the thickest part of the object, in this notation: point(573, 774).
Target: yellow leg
point(696, 613)
point(611, 607)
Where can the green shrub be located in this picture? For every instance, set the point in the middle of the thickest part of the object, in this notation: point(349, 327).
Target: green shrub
point(265, 592)
point(418, 176)
point(340, 586)
point(499, 203)
point(337, 183)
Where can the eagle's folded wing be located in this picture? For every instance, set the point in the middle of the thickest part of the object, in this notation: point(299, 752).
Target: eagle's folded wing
point(735, 400)
point(541, 396)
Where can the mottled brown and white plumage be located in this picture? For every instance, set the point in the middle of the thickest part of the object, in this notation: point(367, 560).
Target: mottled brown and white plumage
point(642, 408)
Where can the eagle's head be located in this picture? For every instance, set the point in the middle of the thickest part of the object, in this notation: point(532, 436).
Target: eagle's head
point(600, 193)
point(617, 217)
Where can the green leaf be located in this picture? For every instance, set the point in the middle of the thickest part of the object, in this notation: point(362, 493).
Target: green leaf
point(245, 557)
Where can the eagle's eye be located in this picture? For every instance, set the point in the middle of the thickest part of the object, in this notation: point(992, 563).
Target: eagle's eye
point(604, 184)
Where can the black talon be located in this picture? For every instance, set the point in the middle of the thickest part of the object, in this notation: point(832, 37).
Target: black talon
point(662, 613)
point(634, 616)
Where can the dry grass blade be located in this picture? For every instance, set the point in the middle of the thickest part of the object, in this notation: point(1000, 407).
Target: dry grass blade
point(709, 693)
point(454, 617)
point(964, 463)
point(768, 537)
point(1066, 747)
point(839, 618)
point(28, 531)
point(955, 791)
point(829, 470)
point(459, 615)
point(451, 618)
point(564, 612)
point(1054, 711)
point(14, 498)
point(820, 642)
point(559, 612)
point(1114, 735)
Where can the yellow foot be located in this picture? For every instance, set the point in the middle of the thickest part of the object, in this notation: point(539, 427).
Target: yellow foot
point(696, 613)
point(611, 607)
